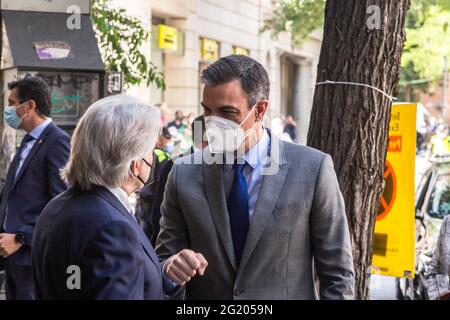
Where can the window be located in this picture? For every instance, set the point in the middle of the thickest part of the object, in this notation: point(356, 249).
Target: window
point(439, 203)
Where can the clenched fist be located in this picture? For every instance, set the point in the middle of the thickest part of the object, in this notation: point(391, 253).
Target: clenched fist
point(183, 266)
point(8, 244)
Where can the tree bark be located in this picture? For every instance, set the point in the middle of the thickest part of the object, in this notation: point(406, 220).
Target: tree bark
point(351, 123)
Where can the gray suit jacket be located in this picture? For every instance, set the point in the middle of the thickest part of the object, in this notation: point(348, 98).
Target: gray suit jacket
point(299, 217)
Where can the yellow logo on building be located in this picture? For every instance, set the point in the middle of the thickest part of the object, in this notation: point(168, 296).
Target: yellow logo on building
point(210, 50)
point(240, 51)
point(394, 241)
point(167, 38)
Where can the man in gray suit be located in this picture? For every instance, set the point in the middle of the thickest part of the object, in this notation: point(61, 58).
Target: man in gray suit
point(254, 216)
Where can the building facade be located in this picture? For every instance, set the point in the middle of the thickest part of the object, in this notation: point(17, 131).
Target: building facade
point(188, 35)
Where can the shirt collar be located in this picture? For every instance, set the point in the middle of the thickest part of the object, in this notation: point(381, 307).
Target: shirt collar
point(258, 154)
point(122, 197)
point(36, 132)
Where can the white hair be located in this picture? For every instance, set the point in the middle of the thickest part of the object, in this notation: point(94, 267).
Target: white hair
point(112, 133)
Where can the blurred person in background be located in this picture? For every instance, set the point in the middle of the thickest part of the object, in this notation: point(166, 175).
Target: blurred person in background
point(440, 142)
point(290, 127)
point(278, 129)
point(178, 122)
point(164, 145)
point(166, 113)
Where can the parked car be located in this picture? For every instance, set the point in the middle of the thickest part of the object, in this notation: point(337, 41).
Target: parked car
point(432, 204)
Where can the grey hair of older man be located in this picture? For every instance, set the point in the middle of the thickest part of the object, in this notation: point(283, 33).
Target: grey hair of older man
point(112, 133)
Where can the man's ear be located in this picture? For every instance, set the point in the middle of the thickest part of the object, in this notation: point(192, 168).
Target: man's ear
point(31, 106)
point(134, 168)
point(261, 109)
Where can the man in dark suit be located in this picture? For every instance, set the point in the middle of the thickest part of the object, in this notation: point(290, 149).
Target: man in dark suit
point(32, 179)
point(151, 196)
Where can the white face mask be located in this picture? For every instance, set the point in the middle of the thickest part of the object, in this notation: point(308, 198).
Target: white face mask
point(224, 135)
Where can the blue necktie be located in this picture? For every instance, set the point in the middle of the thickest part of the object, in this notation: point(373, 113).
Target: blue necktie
point(238, 210)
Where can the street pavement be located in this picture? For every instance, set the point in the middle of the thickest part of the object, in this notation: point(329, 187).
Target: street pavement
point(382, 288)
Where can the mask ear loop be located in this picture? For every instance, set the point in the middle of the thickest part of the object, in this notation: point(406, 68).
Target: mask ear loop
point(249, 114)
point(132, 175)
point(246, 118)
point(139, 178)
point(136, 177)
point(240, 125)
point(24, 116)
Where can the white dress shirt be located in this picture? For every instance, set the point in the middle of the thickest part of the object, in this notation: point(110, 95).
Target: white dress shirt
point(122, 196)
point(36, 134)
point(257, 158)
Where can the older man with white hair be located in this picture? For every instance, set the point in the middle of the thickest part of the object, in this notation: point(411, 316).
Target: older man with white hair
point(87, 243)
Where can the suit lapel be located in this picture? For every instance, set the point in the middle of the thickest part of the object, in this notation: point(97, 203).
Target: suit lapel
point(215, 194)
point(271, 187)
point(111, 199)
point(8, 184)
point(33, 151)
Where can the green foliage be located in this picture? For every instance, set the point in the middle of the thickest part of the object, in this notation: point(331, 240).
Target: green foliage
point(121, 38)
point(420, 11)
point(427, 31)
point(298, 17)
point(428, 41)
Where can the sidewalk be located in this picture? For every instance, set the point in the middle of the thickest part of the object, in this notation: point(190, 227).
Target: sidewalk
point(382, 288)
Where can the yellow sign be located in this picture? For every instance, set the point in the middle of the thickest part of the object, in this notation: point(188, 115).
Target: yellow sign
point(210, 49)
point(240, 51)
point(394, 241)
point(167, 38)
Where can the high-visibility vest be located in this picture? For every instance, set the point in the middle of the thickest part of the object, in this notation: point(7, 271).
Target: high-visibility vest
point(161, 155)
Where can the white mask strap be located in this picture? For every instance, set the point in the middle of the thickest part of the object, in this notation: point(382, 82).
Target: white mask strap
point(248, 116)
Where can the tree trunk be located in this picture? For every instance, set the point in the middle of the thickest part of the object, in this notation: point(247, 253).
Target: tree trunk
point(351, 123)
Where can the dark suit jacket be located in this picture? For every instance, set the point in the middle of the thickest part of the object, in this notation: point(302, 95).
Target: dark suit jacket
point(94, 231)
point(150, 199)
point(38, 181)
